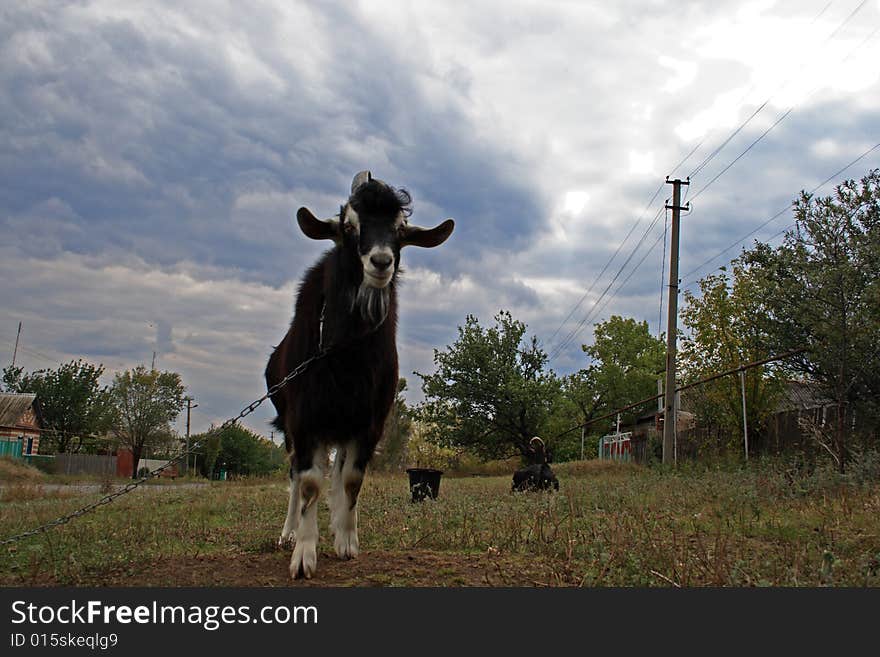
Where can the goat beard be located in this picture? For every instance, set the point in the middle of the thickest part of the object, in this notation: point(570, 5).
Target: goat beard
point(372, 303)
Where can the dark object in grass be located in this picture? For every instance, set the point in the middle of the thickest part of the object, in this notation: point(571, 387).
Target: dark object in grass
point(424, 483)
point(534, 477)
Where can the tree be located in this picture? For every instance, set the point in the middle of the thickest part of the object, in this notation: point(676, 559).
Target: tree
point(211, 444)
point(147, 402)
point(391, 453)
point(626, 362)
point(490, 393)
point(822, 287)
point(74, 406)
point(245, 453)
point(579, 401)
point(726, 330)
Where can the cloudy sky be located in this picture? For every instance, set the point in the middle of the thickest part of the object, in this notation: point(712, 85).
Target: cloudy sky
point(153, 155)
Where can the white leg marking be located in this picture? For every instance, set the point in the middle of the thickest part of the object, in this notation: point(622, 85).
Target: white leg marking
point(343, 505)
point(304, 561)
point(292, 519)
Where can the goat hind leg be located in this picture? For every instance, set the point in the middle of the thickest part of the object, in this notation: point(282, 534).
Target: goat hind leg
point(293, 511)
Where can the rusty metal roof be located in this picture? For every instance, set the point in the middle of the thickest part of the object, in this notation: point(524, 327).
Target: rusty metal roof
point(13, 406)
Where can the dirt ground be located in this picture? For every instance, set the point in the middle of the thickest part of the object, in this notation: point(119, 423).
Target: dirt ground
point(419, 568)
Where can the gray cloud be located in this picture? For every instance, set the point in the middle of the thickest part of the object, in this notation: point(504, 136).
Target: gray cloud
point(152, 160)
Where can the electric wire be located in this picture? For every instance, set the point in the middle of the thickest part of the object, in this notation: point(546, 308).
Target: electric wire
point(760, 108)
point(564, 343)
point(701, 166)
point(607, 264)
point(780, 213)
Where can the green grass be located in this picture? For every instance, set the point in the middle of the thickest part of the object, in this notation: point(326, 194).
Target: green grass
point(608, 525)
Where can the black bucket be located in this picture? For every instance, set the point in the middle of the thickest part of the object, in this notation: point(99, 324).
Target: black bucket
point(424, 483)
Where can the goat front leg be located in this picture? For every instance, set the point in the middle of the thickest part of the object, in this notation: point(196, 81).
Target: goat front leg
point(348, 475)
point(304, 561)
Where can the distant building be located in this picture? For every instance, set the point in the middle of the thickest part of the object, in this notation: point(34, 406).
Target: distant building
point(20, 424)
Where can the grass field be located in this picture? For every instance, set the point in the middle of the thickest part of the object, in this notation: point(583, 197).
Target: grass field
point(610, 525)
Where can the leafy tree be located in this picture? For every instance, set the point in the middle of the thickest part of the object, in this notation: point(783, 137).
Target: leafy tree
point(211, 444)
point(423, 452)
point(579, 402)
point(490, 393)
point(73, 404)
point(627, 361)
point(391, 454)
point(726, 330)
point(244, 453)
point(147, 402)
point(823, 292)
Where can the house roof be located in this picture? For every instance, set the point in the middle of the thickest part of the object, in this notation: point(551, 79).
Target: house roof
point(13, 406)
point(801, 395)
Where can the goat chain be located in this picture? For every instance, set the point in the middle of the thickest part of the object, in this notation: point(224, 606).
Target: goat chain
point(247, 410)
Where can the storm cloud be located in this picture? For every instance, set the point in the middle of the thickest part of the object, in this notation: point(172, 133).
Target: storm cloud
point(152, 158)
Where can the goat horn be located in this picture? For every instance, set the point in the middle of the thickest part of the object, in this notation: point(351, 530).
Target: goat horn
point(362, 178)
point(536, 439)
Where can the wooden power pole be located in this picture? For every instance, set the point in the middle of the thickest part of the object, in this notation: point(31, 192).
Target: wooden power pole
point(669, 419)
point(189, 407)
point(15, 352)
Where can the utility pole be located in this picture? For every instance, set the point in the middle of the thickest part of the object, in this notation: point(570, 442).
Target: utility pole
point(153, 366)
point(189, 407)
point(15, 352)
point(742, 381)
point(669, 415)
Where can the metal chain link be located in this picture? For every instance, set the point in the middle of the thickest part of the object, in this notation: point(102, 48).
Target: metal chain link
point(247, 410)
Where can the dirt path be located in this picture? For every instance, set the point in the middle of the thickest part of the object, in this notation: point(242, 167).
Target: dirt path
point(377, 568)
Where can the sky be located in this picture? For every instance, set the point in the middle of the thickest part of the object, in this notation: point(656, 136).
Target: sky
point(153, 156)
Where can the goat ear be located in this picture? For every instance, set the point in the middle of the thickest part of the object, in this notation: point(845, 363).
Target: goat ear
point(427, 237)
point(316, 228)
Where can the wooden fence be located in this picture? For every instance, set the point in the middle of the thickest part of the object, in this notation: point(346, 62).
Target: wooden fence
point(71, 464)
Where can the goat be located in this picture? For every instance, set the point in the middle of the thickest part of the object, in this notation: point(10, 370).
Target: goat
point(537, 475)
point(534, 477)
point(346, 307)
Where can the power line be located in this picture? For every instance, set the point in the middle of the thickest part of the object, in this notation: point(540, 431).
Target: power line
point(787, 112)
point(634, 270)
point(783, 210)
point(760, 108)
point(607, 264)
point(698, 169)
point(738, 157)
point(558, 349)
point(33, 352)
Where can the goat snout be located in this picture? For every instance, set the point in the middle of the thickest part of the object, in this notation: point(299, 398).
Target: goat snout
point(381, 261)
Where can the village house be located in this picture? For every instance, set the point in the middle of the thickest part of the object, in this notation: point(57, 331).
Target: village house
point(20, 424)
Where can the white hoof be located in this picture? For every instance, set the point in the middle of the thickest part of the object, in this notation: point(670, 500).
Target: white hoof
point(304, 561)
point(346, 543)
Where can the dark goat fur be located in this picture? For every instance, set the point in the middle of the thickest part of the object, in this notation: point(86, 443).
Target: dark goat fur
point(348, 393)
point(343, 398)
point(534, 477)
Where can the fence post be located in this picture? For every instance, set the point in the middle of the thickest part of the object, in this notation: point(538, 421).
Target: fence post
point(675, 427)
point(742, 381)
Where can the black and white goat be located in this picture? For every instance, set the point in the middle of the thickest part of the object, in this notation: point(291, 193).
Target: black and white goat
point(538, 475)
point(347, 304)
point(534, 477)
